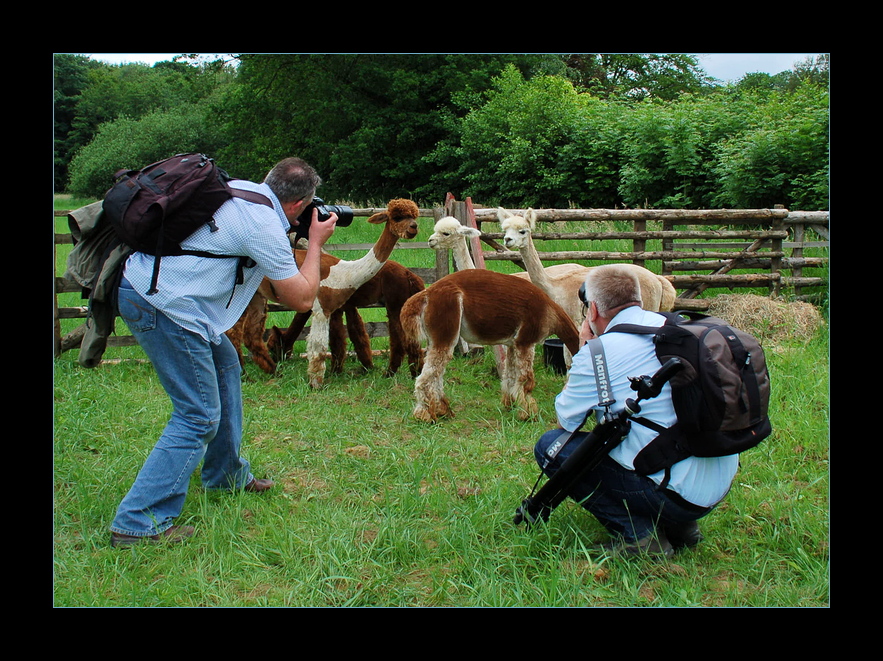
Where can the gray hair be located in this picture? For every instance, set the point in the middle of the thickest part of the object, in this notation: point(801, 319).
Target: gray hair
point(612, 286)
point(292, 179)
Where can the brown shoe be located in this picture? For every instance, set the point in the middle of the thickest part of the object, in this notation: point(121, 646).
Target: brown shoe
point(171, 535)
point(259, 486)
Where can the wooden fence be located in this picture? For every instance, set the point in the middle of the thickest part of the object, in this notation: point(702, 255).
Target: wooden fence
point(697, 250)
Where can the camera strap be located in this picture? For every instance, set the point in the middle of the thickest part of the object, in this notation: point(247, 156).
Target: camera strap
point(605, 399)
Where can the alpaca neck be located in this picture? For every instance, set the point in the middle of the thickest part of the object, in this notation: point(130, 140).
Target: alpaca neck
point(462, 258)
point(383, 247)
point(354, 274)
point(534, 266)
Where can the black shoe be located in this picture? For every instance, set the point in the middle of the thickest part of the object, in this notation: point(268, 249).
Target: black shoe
point(172, 535)
point(656, 546)
point(685, 535)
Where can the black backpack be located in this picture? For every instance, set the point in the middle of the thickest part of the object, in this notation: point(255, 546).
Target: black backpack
point(721, 397)
point(155, 208)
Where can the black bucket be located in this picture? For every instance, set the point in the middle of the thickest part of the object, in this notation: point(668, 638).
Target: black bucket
point(553, 355)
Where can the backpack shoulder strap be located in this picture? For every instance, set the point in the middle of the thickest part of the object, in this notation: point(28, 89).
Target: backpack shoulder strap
point(671, 319)
point(251, 196)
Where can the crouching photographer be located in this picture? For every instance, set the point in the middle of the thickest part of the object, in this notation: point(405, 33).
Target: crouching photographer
point(655, 514)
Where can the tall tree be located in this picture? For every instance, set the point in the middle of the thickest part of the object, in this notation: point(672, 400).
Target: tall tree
point(364, 120)
point(71, 77)
point(636, 76)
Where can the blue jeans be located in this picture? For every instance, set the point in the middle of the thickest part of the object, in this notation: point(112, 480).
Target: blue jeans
point(203, 382)
point(627, 504)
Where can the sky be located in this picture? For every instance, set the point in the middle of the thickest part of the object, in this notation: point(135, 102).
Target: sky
point(726, 67)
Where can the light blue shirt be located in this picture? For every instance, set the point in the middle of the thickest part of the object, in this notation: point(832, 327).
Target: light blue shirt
point(701, 480)
point(194, 291)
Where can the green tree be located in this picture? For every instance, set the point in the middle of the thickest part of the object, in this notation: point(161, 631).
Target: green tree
point(783, 155)
point(131, 92)
point(636, 76)
point(71, 77)
point(365, 121)
point(534, 142)
point(668, 150)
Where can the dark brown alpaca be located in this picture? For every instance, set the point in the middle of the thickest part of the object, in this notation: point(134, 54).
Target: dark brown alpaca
point(487, 308)
point(391, 287)
point(252, 325)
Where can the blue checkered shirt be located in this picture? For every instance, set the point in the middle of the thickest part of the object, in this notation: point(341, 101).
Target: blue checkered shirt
point(195, 291)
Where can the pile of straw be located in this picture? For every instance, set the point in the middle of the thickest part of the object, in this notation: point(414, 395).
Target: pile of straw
point(769, 320)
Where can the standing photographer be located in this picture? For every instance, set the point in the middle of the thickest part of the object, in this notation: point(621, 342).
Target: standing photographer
point(181, 329)
point(642, 516)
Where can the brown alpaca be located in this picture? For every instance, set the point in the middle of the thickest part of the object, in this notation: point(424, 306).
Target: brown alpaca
point(391, 287)
point(486, 308)
point(340, 280)
point(249, 330)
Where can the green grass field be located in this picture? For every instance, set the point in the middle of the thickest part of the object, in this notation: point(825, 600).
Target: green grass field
point(372, 508)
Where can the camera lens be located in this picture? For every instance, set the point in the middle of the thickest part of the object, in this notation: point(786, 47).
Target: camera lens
point(344, 214)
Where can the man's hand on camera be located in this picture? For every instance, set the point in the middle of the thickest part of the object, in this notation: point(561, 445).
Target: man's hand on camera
point(320, 232)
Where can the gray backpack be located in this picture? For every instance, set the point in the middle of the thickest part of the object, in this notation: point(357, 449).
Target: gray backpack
point(721, 397)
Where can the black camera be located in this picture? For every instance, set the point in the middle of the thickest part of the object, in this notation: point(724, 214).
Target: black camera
point(344, 216)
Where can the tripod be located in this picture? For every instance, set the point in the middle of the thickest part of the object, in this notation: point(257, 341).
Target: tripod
point(600, 441)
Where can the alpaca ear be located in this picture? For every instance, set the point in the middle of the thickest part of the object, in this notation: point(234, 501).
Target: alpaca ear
point(531, 218)
point(468, 232)
point(502, 214)
point(378, 218)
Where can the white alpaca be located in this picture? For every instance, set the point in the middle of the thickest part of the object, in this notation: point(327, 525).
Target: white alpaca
point(562, 281)
point(450, 234)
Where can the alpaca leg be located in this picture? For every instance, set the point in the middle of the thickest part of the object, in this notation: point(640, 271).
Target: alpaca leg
point(255, 318)
point(402, 345)
point(274, 344)
point(408, 343)
point(429, 386)
point(337, 341)
point(281, 343)
point(317, 344)
point(525, 382)
point(358, 334)
point(507, 377)
point(397, 345)
point(235, 337)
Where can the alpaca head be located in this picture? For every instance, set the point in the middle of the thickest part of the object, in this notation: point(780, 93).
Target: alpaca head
point(516, 229)
point(448, 233)
point(400, 218)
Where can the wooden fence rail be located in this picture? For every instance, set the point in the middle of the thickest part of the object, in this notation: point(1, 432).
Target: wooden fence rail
point(696, 249)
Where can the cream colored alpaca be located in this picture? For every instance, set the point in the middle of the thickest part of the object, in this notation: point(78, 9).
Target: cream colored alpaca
point(562, 281)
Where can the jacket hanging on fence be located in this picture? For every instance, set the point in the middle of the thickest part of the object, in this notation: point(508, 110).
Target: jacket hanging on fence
point(95, 263)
